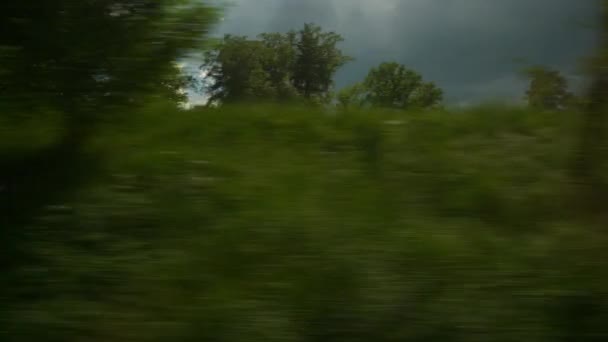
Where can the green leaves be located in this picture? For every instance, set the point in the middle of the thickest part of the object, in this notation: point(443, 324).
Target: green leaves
point(301, 65)
point(351, 96)
point(391, 85)
point(82, 56)
point(548, 89)
point(426, 95)
point(279, 223)
point(236, 69)
point(317, 60)
point(275, 67)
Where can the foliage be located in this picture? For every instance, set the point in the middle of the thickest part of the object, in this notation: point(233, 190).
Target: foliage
point(175, 84)
point(426, 95)
point(67, 67)
point(237, 70)
point(592, 153)
point(317, 60)
point(80, 57)
point(276, 66)
point(548, 89)
point(275, 222)
point(351, 96)
point(75, 65)
point(285, 223)
point(392, 85)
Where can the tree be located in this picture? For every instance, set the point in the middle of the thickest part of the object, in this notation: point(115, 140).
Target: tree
point(236, 70)
point(273, 67)
point(317, 60)
point(590, 159)
point(351, 96)
point(548, 89)
point(80, 57)
point(80, 60)
point(281, 62)
point(175, 85)
point(426, 95)
point(392, 85)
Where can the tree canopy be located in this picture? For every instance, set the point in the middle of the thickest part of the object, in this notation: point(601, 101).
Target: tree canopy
point(548, 89)
point(275, 66)
point(392, 85)
point(79, 56)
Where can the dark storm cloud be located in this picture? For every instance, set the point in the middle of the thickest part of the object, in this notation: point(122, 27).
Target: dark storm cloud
point(469, 47)
point(470, 44)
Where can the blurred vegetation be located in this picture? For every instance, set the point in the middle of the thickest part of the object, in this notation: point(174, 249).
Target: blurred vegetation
point(287, 223)
point(67, 67)
point(126, 217)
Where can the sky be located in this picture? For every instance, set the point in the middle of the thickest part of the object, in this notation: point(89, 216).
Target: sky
point(473, 49)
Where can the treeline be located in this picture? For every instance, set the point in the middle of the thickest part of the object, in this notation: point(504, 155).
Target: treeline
point(300, 66)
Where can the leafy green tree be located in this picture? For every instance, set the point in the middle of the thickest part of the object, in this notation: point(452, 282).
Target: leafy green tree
point(548, 89)
point(82, 56)
point(175, 85)
point(317, 60)
point(426, 95)
point(236, 70)
point(75, 63)
point(391, 85)
point(351, 96)
point(280, 63)
point(275, 66)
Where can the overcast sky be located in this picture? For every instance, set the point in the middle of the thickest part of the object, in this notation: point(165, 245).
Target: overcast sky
point(473, 49)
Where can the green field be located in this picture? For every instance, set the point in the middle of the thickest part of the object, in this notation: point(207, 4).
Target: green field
point(269, 223)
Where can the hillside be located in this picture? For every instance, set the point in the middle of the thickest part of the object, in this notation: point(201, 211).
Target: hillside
point(292, 224)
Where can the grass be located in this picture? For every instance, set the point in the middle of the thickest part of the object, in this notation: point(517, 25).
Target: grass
point(289, 223)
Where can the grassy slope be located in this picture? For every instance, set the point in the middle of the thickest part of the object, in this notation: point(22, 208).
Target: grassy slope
point(270, 223)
